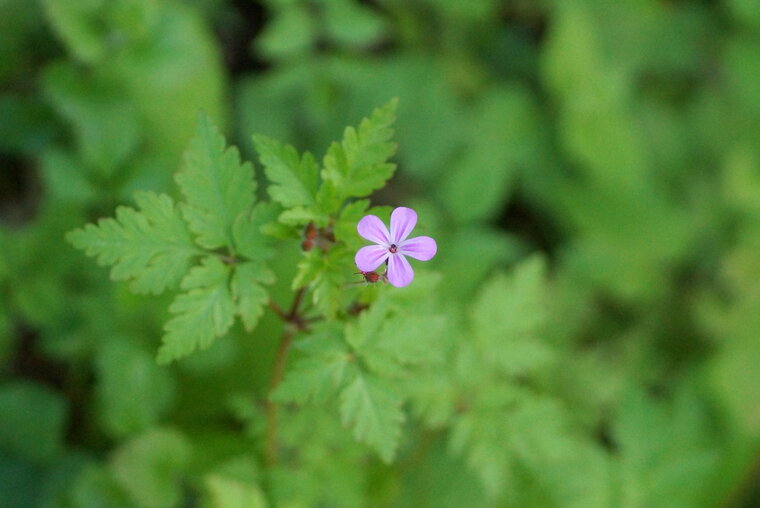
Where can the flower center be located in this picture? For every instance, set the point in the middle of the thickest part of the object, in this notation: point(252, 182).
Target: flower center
point(393, 248)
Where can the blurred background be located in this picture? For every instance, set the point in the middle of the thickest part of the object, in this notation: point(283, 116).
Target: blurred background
point(620, 140)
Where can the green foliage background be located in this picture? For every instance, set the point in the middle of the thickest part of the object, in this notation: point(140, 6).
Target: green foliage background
point(588, 334)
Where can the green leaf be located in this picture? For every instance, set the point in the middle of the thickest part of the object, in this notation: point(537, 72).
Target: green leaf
point(345, 226)
point(151, 247)
point(373, 410)
point(307, 269)
point(352, 24)
point(502, 139)
point(149, 467)
point(300, 216)
point(250, 296)
point(325, 274)
point(80, 26)
point(91, 107)
point(329, 285)
point(357, 166)
point(293, 179)
point(405, 340)
point(217, 186)
point(669, 451)
point(226, 492)
point(319, 373)
point(250, 240)
point(290, 33)
point(202, 314)
point(508, 316)
point(133, 392)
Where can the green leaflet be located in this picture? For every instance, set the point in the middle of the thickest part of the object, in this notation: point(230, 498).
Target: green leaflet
point(293, 180)
point(357, 165)
point(320, 372)
point(250, 296)
point(217, 186)
point(151, 246)
point(202, 314)
point(508, 317)
point(372, 408)
point(325, 274)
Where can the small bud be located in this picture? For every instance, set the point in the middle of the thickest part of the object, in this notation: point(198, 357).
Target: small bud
point(307, 245)
point(311, 231)
point(370, 277)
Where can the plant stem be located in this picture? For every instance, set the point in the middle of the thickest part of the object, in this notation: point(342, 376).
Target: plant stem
point(272, 407)
point(293, 322)
point(278, 310)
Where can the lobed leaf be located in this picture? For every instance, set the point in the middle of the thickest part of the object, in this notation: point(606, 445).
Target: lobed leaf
point(248, 292)
point(357, 166)
point(507, 318)
point(293, 179)
point(373, 410)
point(202, 314)
point(217, 186)
point(319, 373)
point(151, 246)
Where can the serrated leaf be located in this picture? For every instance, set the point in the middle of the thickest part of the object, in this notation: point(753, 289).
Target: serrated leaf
point(345, 226)
point(318, 374)
point(368, 324)
point(250, 240)
point(217, 186)
point(328, 285)
point(300, 216)
point(357, 166)
point(373, 410)
point(151, 246)
point(293, 179)
point(405, 340)
point(249, 294)
point(324, 274)
point(307, 269)
point(206, 311)
point(507, 318)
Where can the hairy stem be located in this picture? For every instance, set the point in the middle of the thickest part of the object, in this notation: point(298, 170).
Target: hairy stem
point(293, 323)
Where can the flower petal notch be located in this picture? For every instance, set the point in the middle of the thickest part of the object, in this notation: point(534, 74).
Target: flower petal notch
point(392, 247)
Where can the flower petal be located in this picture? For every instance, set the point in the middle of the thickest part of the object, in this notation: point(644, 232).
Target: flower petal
point(400, 272)
point(419, 247)
point(373, 229)
point(403, 220)
point(370, 257)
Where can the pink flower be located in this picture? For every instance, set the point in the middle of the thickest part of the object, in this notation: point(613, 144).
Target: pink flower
point(392, 248)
